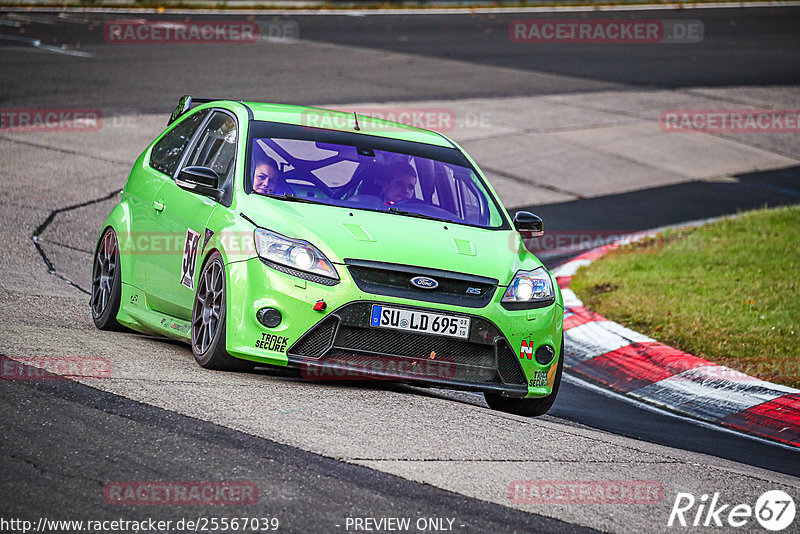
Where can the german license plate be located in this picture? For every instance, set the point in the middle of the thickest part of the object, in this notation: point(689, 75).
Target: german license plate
point(419, 321)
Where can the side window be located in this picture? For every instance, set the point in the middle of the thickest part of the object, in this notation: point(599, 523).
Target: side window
point(470, 207)
point(216, 146)
point(166, 154)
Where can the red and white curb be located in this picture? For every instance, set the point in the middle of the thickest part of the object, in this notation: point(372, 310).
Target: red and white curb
point(607, 353)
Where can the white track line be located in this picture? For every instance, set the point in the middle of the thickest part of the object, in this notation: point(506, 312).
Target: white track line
point(36, 44)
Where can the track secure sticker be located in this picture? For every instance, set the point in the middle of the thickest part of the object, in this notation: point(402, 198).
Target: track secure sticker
point(189, 262)
point(539, 379)
point(272, 342)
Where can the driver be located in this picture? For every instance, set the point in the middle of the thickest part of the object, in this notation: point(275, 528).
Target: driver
point(399, 184)
point(266, 176)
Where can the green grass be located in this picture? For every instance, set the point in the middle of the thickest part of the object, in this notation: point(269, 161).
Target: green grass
point(727, 291)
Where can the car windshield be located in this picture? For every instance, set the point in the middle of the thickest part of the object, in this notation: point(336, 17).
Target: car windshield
point(363, 172)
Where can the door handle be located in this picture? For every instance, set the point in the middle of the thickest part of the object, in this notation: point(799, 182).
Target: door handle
point(158, 206)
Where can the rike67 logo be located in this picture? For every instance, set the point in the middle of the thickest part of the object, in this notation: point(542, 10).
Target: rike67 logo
point(774, 510)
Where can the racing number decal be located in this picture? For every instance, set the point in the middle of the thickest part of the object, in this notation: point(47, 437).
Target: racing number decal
point(189, 262)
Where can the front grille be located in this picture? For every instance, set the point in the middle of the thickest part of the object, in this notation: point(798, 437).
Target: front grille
point(344, 339)
point(318, 340)
point(392, 343)
point(394, 280)
point(507, 364)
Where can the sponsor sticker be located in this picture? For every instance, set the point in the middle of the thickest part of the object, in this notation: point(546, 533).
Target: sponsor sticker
point(209, 234)
point(526, 350)
point(189, 263)
point(183, 328)
point(539, 379)
point(272, 342)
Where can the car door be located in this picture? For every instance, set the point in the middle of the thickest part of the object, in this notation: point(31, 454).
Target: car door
point(143, 244)
point(183, 215)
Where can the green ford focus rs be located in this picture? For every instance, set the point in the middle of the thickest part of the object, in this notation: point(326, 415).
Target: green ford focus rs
point(342, 245)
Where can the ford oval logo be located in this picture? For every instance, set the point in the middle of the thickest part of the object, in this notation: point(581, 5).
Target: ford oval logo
point(423, 282)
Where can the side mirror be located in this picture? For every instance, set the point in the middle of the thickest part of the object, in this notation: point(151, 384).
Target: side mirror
point(200, 180)
point(528, 224)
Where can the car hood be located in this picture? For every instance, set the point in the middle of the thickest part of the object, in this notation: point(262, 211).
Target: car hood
point(343, 233)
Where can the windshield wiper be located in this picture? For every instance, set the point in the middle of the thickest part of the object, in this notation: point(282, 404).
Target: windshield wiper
point(398, 211)
point(291, 197)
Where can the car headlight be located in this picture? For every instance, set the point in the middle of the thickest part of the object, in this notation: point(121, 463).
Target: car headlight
point(529, 289)
point(293, 253)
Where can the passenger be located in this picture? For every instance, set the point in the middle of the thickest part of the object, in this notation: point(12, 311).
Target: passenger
point(399, 184)
point(266, 176)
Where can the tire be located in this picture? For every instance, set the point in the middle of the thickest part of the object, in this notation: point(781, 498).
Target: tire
point(529, 407)
point(106, 283)
point(209, 318)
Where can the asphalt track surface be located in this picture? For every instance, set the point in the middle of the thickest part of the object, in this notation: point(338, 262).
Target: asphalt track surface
point(303, 489)
point(741, 47)
point(75, 437)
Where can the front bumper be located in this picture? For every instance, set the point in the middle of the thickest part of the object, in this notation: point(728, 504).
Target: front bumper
point(339, 343)
point(344, 344)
